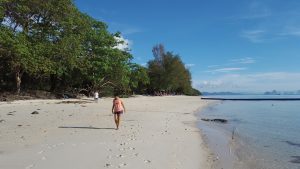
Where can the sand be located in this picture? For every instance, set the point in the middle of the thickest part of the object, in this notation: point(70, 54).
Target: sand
point(155, 133)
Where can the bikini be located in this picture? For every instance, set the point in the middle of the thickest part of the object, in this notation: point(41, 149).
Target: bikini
point(118, 108)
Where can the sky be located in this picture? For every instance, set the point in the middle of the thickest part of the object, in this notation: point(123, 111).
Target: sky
point(233, 45)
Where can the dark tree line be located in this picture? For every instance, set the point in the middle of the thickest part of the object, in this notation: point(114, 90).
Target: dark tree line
point(52, 46)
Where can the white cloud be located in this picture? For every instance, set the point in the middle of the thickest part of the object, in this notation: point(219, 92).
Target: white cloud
point(257, 10)
point(226, 70)
point(290, 31)
point(260, 82)
point(189, 65)
point(268, 24)
point(255, 36)
point(129, 31)
point(211, 66)
point(246, 60)
point(124, 44)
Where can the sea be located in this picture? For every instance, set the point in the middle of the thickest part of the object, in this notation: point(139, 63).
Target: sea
point(257, 135)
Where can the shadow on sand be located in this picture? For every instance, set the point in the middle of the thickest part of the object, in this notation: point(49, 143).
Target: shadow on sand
point(90, 127)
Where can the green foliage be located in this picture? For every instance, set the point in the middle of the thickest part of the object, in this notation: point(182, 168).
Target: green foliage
point(168, 73)
point(56, 47)
point(139, 79)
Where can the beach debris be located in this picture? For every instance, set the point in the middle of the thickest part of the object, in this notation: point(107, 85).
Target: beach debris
point(20, 125)
point(216, 120)
point(35, 112)
point(296, 159)
point(2, 120)
point(293, 143)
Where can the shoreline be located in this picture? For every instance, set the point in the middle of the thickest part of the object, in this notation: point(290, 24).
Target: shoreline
point(217, 141)
point(155, 132)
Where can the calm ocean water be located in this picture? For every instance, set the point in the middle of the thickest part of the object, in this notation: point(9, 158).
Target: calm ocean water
point(266, 134)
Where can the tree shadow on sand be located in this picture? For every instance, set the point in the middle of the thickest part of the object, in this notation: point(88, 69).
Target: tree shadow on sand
point(90, 127)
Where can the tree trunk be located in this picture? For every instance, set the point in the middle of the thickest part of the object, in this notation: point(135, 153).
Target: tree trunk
point(53, 80)
point(18, 81)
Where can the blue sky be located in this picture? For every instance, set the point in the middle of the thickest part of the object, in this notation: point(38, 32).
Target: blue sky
point(232, 45)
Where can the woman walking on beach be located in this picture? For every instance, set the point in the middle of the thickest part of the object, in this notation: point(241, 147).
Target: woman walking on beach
point(118, 108)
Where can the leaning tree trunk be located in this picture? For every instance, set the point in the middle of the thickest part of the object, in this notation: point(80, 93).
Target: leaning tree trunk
point(18, 81)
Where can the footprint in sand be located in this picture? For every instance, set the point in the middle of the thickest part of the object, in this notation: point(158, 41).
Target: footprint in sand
point(120, 156)
point(131, 148)
point(147, 161)
point(128, 148)
point(122, 165)
point(108, 165)
point(123, 144)
point(29, 167)
point(131, 139)
point(61, 144)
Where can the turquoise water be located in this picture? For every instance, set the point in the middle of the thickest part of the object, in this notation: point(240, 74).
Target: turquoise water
point(266, 134)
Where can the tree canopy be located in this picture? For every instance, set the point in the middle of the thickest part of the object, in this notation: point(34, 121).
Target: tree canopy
point(168, 73)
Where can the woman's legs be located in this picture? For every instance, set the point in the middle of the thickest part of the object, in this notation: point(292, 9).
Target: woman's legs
point(117, 118)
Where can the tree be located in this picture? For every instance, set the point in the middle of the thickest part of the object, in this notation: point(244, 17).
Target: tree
point(104, 65)
point(168, 73)
point(30, 30)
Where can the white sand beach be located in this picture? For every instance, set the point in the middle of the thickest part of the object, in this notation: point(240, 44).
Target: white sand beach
point(155, 133)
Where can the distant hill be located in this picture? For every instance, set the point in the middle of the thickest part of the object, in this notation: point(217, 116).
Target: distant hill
point(275, 92)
